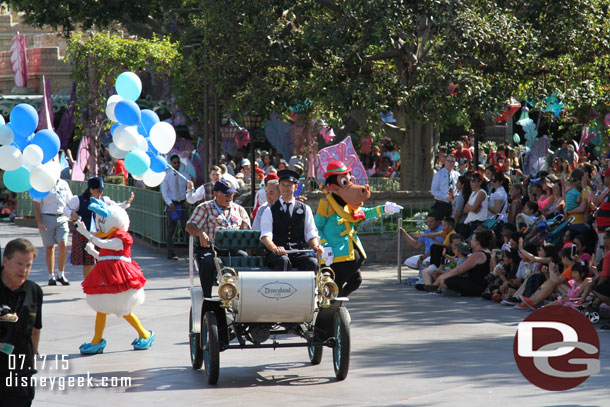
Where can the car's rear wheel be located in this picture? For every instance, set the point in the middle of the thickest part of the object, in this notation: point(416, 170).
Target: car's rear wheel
point(315, 354)
point(195, 345)
point(211, 351)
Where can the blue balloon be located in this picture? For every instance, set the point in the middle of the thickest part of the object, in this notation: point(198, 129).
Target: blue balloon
point(127, 113)
point(49, 142)
point(37, 194)
point(113, 128)
point(20, 141)
point(18, 180)
point(158, 163)
point(149, 119)
point(137, 162)
point(24, 119)
point(142, 130)
point(151, 148)
point(128, 85)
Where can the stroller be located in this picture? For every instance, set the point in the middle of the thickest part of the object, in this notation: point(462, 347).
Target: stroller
point(558, 226)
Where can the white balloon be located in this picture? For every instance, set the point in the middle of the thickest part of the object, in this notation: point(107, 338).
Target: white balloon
point(116, 152)
point(114, 99)
point(2, 119)
point(142, 144)
point(33, 155)
point(125, 137)
point(152, 179)
point(10, 158)
point(44, 177)
point(6, 134)
point(110, 112)
point(162, 137)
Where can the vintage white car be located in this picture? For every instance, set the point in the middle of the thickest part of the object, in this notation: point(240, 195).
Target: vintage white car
point(255, 308)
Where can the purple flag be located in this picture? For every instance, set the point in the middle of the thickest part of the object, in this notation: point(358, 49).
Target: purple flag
point(67, 124)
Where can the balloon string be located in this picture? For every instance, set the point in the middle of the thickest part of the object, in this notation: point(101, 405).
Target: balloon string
point(177, 172)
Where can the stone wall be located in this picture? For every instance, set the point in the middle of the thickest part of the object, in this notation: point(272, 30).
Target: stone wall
point(45, 48)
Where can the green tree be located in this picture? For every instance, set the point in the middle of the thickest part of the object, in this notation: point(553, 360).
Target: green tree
point(355, 58)
point(138, 17)
point(97, 59)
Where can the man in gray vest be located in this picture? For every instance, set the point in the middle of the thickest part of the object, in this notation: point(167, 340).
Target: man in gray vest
point(287, 225)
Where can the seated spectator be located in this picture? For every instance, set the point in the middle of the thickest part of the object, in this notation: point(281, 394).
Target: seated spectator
point(385, 168)
point(580, 272)
point(498, 200)
point(476, 207)
point(459, 252)
point(459, 201)
point(468, 279)
point(423, 243)
point(501, 274)
point(601, 285)
point(515, 207)
point(556, 204)
point(528, 216)
point(576, 200)
point(556, 283)
point(436, 250)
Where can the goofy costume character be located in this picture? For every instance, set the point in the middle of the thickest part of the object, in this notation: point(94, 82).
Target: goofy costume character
point(337, 215)
point(116, 283)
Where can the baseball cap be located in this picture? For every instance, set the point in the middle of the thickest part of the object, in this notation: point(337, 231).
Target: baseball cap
point(462, 247)
point(224, 186)
point(95, 183)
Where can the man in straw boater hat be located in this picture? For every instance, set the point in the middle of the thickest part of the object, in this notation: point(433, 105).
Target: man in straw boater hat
point(287, 225)
point(337, 215)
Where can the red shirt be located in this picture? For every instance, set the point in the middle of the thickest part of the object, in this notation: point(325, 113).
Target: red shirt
point(606, 267)
point(464, 153)
point(119, 169)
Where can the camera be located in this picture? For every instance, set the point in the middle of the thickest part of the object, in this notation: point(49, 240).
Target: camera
point(7, 324)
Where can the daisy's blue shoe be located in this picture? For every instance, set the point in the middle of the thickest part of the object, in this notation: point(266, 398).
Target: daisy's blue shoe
point(143, 344)
point(89, 349)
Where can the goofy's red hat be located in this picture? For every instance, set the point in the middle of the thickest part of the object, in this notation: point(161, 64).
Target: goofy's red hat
point(336, 168)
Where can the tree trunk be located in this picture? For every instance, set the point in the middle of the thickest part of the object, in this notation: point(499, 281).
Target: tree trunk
point(419, 144)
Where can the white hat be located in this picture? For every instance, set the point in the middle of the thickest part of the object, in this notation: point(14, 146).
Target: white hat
point(245, 162)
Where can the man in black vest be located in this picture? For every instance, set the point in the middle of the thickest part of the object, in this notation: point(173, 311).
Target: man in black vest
point(287, 225)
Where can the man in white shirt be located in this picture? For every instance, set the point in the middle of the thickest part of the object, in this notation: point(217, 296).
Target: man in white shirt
point(287, 225)
point(205, 191)
point(53, 227)
point(443, 187)
point(173, 190)
point(272, 194)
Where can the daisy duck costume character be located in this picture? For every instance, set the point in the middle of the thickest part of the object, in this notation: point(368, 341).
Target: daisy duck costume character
point(116, 283)
point(337, 215)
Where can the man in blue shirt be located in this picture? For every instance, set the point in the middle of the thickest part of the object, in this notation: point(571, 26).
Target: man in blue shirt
point(434, 226)
point(443, 186)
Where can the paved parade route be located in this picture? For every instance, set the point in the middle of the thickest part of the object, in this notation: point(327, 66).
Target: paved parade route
point(408, 348)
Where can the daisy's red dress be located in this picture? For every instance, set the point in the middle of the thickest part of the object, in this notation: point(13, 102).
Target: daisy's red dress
point(115, 285)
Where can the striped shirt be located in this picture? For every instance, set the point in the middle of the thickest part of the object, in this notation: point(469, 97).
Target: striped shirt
point(209, 219)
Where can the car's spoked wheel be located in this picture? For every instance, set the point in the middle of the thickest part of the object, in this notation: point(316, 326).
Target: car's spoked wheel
point(315, 354)
point(195, 344)
point(341, 350)
point(211, 352)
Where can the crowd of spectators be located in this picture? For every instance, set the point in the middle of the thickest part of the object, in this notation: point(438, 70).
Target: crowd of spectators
point(520, 239)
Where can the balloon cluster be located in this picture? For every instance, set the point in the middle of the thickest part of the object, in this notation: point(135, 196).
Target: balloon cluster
point(138, 136)
point(27, 157)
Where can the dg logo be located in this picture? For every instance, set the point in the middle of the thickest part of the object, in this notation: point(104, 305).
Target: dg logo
point(556, 348)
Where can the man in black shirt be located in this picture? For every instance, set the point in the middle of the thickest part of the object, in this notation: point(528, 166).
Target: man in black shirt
point(287, 225)
point(21, 300)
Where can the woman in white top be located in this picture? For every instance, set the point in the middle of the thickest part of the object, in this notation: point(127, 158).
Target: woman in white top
point(498, 200)
point(476, 207)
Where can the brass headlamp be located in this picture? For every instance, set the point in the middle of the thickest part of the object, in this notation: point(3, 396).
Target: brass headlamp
point(227, 290)
point(327, 288)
